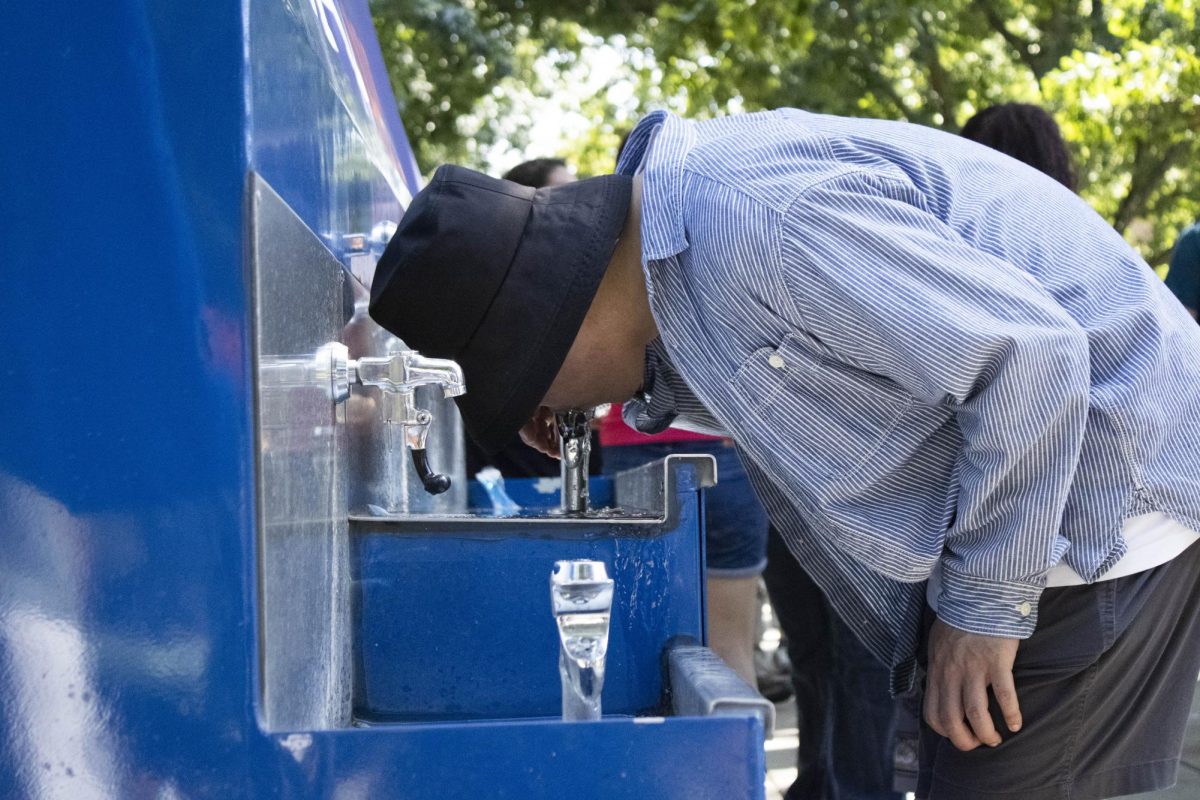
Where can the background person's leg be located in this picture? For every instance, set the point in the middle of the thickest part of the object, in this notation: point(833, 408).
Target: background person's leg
point(732, 614)
point(803, 618)
point(736, 553)
point(862, 722)
point(845, 714)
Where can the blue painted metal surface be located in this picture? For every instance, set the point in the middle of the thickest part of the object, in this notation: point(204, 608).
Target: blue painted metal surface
point(714, 758)
point(128, 614)
point(453, 621)
point(126, 636)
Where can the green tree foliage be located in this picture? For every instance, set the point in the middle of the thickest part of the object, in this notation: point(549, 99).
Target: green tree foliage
point(1121, 76)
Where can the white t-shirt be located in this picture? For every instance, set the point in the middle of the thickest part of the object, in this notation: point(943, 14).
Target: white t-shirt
point(1151, 540)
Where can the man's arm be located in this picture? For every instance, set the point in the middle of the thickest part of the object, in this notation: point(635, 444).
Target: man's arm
point(893, 290)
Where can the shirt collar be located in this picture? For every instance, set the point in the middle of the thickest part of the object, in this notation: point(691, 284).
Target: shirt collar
point(658, 147)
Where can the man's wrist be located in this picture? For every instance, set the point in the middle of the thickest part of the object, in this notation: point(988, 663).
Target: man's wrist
point(988, 607)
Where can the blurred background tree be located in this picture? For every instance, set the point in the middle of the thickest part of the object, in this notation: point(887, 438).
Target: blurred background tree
point(489, 82)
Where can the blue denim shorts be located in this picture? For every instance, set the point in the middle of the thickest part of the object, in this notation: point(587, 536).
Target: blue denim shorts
point(736, 536)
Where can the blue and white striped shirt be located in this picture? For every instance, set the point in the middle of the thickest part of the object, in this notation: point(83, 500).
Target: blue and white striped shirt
point(925, 351)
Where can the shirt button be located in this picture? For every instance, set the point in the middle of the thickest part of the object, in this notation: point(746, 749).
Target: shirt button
point(1024, 609)
point(775, 360)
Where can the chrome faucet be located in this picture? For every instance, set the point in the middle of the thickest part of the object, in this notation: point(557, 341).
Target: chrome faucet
point(397, 375)
point(575, 452)
point(581, 594)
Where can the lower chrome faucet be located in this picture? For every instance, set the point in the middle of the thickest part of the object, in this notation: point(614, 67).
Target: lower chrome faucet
point(581, 594)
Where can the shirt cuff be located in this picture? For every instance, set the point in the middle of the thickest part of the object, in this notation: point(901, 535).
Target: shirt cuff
point(652, 409)
point(638, 414)
point(988, 607)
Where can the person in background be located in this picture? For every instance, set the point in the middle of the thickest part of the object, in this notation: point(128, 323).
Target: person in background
point(1027, 133)
point(516, 460)
point(539, 172)
point(1183, 276)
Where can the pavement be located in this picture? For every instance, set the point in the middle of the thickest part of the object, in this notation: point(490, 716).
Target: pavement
point(781, 757)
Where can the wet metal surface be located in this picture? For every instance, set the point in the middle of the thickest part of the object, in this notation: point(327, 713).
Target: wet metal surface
point(435, 599)
point(575, 455)
point(581, 598)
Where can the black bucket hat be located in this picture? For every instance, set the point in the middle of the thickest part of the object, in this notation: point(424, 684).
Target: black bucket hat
point(498, 277)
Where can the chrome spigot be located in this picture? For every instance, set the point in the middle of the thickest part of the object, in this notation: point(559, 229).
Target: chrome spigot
point(398, 375)
point(581, 596)
point(575, 453)
point(328, 369)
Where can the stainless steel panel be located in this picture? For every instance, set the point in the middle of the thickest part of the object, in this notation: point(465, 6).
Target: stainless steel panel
point(304, 578)
point(652, 487)
point(646, 497)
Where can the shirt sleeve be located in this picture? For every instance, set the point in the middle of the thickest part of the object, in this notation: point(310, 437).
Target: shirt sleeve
point(1183, 276)
point(893, 290)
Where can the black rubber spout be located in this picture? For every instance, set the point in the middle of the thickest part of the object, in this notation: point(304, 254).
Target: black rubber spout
point(434, 482)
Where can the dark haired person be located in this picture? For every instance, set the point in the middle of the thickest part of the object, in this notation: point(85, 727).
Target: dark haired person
point(538, 172)
point(1183, 275)
point(878, 314)
point(1027, 133)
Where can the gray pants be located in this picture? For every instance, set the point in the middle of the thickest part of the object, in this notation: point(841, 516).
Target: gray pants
point(1105, 686)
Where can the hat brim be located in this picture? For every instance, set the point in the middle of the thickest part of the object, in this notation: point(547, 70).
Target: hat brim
point(522, 341)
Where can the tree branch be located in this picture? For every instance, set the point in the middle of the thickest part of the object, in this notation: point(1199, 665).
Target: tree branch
point(1160, 256)
point(876, 82)
point(939, 81)
point(1145, 177)
point(1021, 46)
point(1101, 35)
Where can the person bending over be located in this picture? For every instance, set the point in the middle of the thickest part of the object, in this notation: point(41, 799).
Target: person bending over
point(901, 330)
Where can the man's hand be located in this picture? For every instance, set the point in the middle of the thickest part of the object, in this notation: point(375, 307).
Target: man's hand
point(961, 667)
point(541, 433)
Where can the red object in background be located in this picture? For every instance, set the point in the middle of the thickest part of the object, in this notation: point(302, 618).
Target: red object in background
point(615, 433)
